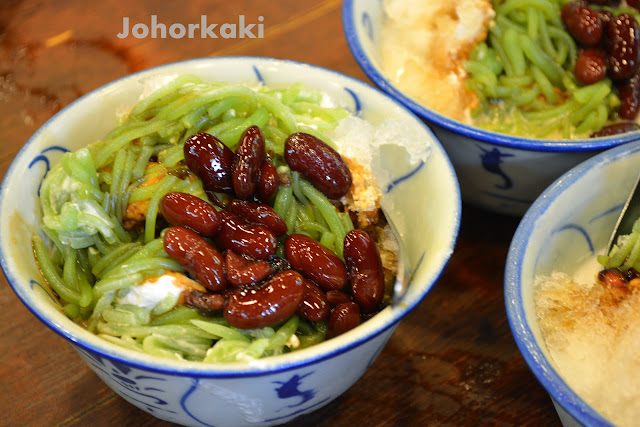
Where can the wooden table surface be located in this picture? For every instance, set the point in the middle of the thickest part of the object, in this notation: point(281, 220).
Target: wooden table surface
point(452, 361)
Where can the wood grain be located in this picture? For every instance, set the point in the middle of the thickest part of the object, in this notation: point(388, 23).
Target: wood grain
point(452, 361)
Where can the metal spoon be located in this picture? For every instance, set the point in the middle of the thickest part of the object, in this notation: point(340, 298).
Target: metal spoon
point(630, 213)
point(403, 275)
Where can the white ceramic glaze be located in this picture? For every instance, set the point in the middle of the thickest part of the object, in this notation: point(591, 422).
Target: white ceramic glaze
point(268, 391)
point(498, 172)
point(567, 225)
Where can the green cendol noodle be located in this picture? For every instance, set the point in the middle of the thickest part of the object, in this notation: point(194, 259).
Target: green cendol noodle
point(93, 259)
point(523, 75)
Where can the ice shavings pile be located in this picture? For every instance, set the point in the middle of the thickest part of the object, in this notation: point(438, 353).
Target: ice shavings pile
point(592, 337)
point(359, 140)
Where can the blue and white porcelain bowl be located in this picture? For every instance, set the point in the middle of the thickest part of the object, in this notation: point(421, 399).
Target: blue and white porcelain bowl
point(566, 227)
point(269, 391)
point(498, 172)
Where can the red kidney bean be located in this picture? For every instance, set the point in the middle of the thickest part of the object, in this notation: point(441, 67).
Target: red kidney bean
point(205, 302)
point(211, 160)
point(191, 212)
point(336, 298)
point(616, 129)
point(343, 318)
point(613, 278)
point(247, 162)
point(268, 182)
point(259, 213)
point(591, 66)
point(254, 240)
point(319, 163)
point(242, 271)
point(583, 23)
point(267, 304)
point(365, 269)
point(314, 305)
point(623, 40)
point(629, 94)
point(316, 262)
point(196, 256)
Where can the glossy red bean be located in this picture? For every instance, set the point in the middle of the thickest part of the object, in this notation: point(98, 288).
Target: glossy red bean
point(623, 47)
point(247, 162)
point(259, 213)
point(616, 129)
point(268, 182)
point(242, 271)
point(591, 66)
point(365, 269)
point(316, 262)
point(613, 278)
point(206, 302)
point(201, 260)
point(267, 304)
point(314, 305)
point(343, 318)
point(583, 23)
point(211, 160)
point(336, 298)
point(318, 163)
point(629, 94)
point(254, 240)
point(191, 212)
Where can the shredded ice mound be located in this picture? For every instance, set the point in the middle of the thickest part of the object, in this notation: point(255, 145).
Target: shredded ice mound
point(365, 143)
point(593, 336)
point(425, 44)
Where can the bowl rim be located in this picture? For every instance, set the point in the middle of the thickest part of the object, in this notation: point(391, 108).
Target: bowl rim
point(349, 25)
point(323, 351)
point(523, 334)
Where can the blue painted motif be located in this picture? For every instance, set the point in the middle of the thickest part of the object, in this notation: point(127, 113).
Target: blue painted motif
point(404, 177)
point(258, 75)
point(580, 230)
point(35, 283)
point(367, 25)
point(356, 101)
point(491, 160)
point(131, 387)
point(183, 402)
point(42, 158)
point(291, 389)
point(616, 209)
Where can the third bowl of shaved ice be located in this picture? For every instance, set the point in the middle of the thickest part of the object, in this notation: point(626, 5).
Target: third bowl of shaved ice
point(573, 305)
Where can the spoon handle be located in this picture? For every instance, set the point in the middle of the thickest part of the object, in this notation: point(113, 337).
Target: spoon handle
point(628, 216)
point(403, 275)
